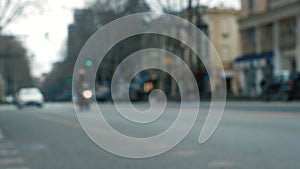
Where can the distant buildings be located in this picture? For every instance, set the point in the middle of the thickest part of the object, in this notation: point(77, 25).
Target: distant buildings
point(220, 25)
point(224, 34)
point(270, 37)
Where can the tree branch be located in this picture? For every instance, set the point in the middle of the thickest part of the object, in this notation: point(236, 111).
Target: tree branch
point(10, 10)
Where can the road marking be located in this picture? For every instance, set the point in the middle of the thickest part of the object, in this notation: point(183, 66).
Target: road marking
point(8, 152)
point(18, 168)
point(221, 164)
point(264, 113)
point(6, 145)
point(11, 160)
point(188, 153)
point(57, 120)
point(9, 156)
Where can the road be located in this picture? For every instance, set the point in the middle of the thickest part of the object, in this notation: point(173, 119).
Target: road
point(252, 135)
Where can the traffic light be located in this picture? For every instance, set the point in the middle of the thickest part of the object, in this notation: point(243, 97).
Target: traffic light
point(88, 63)
point(47, 36)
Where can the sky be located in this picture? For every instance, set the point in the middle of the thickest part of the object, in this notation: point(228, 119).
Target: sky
point(32, 30)
point(54, 21)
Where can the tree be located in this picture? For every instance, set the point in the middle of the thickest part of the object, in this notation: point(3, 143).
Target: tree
point(11, 10)
point(14, 64)
point(107, 5)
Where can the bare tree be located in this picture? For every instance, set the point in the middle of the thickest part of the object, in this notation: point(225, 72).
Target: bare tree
point(173, 6)
point(14, 64)
point(107, 5)
point(11, 10)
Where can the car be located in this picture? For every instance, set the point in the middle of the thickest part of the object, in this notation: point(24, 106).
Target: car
point(139, 89)
point(8, 99)
point(103, 93)
point(29, 97)
point(285, 85)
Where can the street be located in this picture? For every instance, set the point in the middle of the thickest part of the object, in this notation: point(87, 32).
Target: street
point(252, 135)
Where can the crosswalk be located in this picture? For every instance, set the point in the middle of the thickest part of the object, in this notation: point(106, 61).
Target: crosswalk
point(9, 155)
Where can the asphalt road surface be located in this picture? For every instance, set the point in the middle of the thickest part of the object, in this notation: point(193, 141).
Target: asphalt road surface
point(252, 135)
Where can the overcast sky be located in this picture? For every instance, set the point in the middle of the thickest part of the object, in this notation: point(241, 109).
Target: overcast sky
point(55, 21)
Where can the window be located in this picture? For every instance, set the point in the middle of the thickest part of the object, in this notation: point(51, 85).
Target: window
point(251, 6)
point(288, 33)
point(252, 36)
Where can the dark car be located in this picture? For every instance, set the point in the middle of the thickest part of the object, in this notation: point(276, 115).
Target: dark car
point(285, 85)
point(140, 89)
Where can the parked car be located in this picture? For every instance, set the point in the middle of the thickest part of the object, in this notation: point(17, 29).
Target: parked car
point(8, 99)
point(285, 85)
point(29, 97)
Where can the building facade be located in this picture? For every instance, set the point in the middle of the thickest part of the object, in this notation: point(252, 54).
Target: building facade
point(223, 32)
point(222, 29)
point(270, 38)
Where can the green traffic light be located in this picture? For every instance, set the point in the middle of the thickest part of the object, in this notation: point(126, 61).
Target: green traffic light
point(88, 63)
point(47, 36)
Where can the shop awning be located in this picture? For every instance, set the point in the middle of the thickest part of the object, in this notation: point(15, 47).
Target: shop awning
point(254, 60)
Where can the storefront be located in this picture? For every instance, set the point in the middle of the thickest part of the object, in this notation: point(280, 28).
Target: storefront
point(251, 71)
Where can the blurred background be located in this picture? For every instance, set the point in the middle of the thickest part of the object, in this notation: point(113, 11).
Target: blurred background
point(258, 42)
point(259, 50)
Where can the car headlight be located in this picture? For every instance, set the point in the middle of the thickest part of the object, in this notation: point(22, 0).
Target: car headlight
point(87, 94)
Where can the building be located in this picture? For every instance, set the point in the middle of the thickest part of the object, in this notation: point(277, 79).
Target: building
point(222, 28)
point(270, 42)
point(223, 31)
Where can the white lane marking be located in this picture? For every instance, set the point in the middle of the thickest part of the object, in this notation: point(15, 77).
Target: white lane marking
point(221, 164)
point(6, 145)
point(188, 153)
point(18, 168)
point(8, 153)
point(11, 160)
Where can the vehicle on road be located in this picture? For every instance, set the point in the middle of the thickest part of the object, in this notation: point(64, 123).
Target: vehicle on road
point(84, 96)
point(285, 85)
point(140, 89)
point(29, 97)
point(103, 93)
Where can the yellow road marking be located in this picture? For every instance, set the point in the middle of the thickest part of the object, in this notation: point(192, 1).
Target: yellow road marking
point(57, 120)
point(264, 113)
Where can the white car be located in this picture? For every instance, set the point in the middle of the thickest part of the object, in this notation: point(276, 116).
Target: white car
point(29, 97)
